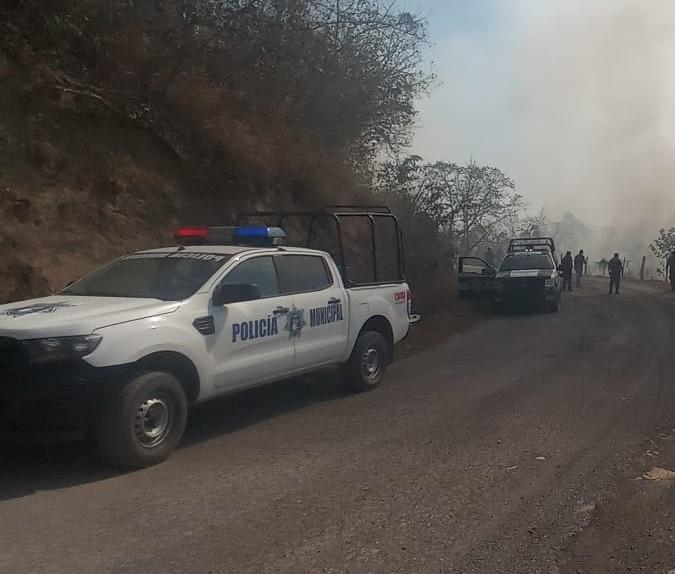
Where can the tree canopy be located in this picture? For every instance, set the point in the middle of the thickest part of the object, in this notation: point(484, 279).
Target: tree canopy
point(266, 82)
point(664, 244)
point(472, 204)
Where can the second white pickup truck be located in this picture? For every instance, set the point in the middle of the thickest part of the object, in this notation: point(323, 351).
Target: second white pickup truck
point(125, 351)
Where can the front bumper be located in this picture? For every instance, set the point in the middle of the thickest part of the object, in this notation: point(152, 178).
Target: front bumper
point(55, 396)
point(525, 292)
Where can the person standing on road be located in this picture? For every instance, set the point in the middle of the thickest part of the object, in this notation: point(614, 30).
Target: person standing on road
point(670, 270)
point(579, 262)
point(615, 273)
point(566, 270)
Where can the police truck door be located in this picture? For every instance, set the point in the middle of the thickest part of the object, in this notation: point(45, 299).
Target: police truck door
point(476, 278)
point(320, 334)
point(251, 341)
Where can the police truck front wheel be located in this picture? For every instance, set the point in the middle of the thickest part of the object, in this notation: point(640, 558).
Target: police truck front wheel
point(144, 422)
point(365, 368)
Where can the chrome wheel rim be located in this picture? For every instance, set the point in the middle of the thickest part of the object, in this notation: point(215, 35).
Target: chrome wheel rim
point(153, 422)
point(371, 363)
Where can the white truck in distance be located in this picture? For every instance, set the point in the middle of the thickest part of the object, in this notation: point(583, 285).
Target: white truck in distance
point(124, 352)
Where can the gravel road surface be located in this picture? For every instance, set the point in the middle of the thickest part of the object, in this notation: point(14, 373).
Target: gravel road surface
point(528, 444)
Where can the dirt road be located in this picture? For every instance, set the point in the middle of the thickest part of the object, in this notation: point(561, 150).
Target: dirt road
point(519, 446)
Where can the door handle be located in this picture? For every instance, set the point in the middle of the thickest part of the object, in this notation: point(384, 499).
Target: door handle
point(281, 310)
point(333, 301)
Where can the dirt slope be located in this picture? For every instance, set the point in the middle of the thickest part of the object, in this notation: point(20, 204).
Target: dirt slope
point(78, 186)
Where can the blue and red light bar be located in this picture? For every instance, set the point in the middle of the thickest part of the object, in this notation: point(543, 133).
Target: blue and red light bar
point(253, 235)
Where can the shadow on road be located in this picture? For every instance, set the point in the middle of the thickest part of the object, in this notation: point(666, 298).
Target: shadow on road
point(31, 464)
point(221, 416)
point(523, 311)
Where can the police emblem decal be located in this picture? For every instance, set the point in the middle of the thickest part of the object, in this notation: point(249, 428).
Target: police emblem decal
point(36, 308)
point(295, 321)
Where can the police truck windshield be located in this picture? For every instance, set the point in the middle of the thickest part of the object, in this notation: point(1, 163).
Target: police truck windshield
point(524, 261)
point(169, 277)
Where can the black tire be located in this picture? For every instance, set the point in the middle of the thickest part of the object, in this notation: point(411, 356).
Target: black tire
point(366, 366)
point(144, 421)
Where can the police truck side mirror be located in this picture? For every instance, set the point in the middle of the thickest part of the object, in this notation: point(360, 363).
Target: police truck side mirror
point(226, 293)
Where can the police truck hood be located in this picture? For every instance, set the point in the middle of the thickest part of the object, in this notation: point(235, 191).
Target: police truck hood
point(65, 315)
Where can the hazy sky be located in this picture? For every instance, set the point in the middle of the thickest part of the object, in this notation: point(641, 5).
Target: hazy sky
point(574, 99)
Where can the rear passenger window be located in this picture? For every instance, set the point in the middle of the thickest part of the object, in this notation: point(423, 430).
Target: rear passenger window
point(302, 273)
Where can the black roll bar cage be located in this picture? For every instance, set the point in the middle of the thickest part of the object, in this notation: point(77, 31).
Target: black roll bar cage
point(336, 214)
point(532, 244)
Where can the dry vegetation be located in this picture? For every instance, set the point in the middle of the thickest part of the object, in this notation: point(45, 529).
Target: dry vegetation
point(121, 119)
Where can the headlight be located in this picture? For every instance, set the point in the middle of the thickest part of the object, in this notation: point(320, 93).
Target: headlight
point(61, 348)
point(549, 283)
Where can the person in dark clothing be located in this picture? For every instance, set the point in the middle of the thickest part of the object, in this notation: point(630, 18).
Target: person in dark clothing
point(579, 262)
point(615, 273)
point(566, 265)
point(670, 270)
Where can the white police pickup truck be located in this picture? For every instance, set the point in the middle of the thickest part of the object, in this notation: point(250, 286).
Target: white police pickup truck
point(125, 351)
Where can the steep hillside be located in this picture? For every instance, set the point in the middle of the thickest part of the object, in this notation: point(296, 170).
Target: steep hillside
point(120, 120)
point(77, 188)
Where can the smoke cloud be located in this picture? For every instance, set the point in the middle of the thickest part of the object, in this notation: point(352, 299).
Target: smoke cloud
point(586, 106)
point(598, 107)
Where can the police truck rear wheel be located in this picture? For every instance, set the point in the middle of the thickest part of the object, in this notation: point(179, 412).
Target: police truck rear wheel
point(365, 368)
point(144, 422)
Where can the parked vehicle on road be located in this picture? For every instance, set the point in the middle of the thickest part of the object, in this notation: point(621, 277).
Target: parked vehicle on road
point(124, 352)
point(528, 276)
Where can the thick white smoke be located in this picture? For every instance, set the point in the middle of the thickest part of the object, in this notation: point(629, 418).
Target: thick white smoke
point(596, 97)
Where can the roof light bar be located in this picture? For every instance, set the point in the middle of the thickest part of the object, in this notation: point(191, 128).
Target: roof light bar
point(191, 235)
point(255, 236)
point(258, 235)
point(532, 244)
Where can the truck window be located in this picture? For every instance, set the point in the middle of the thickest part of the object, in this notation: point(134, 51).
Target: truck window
point(521, 262)
point(259, 271)
point(304, 273)
point(167, 276)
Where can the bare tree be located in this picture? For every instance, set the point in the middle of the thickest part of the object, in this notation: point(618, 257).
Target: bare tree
point(663, 247)
point(537, 225)
point(664, 244)
point(471, 203)
point(282, 83)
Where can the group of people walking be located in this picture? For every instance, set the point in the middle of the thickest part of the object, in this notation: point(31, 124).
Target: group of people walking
point(579, 265)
